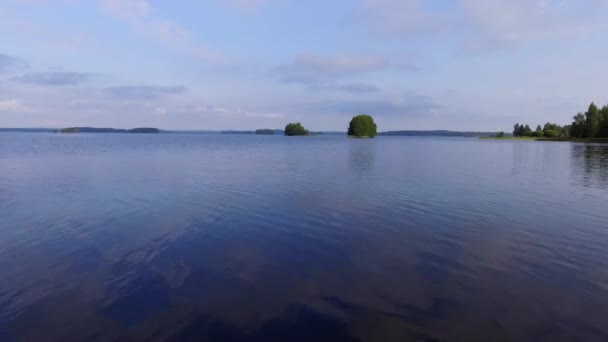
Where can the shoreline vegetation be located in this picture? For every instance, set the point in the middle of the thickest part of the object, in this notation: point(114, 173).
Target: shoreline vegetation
point(562, 139)
point(591, 126)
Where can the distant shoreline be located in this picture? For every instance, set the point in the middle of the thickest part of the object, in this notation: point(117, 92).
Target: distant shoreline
point(562, 139)
point(407, 133)
point(436, 133)
point(76, 130)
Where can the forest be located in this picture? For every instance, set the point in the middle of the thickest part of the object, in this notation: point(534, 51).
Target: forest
point(591, 124)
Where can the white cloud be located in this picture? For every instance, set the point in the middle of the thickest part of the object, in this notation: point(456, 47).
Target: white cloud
point(144, 92)
point(127, 8)
point(507, 23)
point(339, 63)
point(308, 68)
point(403, 106)
point(53, 78)
point(347, 64)
point(481, 25)
point(402, 17)
point(160, 111)
point(140, 15)
point(359, 88)
point(323, 72)
point(12, 106)
point(236, 112)
point(245, 4)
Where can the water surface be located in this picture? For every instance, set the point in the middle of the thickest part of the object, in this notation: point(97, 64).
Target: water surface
point(216, 237)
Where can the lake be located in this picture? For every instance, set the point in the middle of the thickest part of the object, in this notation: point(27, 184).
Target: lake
point(271, 238)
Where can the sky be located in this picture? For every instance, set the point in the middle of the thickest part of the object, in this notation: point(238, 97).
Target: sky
point(474, 65)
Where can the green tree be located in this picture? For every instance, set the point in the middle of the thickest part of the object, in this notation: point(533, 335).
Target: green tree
point(550, 130)
point(604, 122)
point(522, 130)
point(537, 134)
point(516, 130)
point(577, 129)
point(591, 124)
point(500, 135)
point(293, 129)
point(555, 127)
point(551, 133)
point(592, 121)
point(362, 126)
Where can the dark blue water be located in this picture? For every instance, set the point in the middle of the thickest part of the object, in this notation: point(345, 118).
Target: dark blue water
point(211, 237)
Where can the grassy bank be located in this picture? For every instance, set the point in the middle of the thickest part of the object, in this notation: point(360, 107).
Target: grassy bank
point(580, 140)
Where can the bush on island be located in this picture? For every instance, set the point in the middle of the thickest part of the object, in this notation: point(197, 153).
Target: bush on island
point(362, 126)
point(293, 129)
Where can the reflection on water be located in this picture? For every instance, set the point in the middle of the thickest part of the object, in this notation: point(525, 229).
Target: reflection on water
point(178, 237)
point(362, 156)
point(590, 164)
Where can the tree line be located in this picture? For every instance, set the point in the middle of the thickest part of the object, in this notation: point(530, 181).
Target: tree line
point(549, 130)
point(265, 131)
point(591, 124)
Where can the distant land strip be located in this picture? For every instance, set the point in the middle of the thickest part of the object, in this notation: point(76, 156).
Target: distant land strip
point(437, 133)
point(410, 133)
point(109, 130)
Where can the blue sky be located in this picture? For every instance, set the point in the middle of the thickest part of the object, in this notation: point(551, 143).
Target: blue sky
point(246, 64)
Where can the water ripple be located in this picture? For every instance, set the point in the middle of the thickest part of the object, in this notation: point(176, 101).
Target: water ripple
point(245, 237)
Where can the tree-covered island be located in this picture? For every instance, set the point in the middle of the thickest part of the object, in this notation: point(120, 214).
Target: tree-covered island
point(295, 129)
point(362, 126)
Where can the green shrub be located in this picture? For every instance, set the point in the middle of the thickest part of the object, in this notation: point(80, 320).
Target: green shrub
point(537, 134)
point(362, 126)
point(551, 134)
point(295, 129)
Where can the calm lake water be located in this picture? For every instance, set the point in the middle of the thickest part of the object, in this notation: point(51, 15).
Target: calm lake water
point(216, 237)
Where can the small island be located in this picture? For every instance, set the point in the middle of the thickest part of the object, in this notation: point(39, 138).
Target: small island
point(362, 126)
point(295, 129)
point(109, 130)
point(144, 130)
